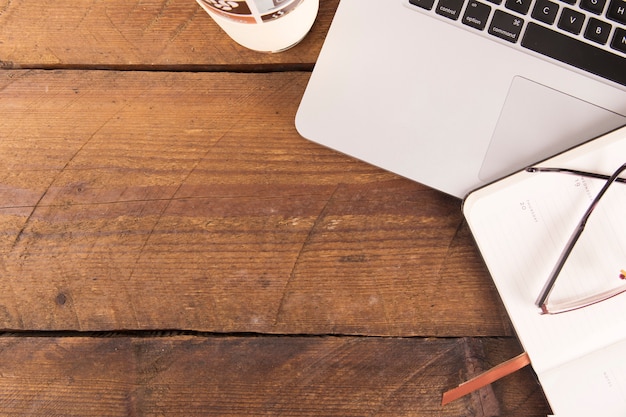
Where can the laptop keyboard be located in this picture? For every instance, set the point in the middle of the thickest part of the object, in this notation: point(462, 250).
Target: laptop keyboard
point(587, 34)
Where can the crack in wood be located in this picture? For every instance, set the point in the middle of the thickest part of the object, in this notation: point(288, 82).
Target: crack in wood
point(305, 243)
point(483, 401)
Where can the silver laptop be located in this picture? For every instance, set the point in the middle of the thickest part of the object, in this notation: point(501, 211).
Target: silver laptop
point(456, 93)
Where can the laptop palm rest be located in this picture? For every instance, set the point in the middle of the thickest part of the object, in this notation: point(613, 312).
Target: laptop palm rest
point(537, 122)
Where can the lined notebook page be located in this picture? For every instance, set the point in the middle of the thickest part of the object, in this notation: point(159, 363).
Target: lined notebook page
point(597, 381)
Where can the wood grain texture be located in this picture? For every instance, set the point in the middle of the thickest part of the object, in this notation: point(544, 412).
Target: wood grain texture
point(151, 200)
point(253, 376)
point(141, 200)
point(171, 191)
point(129, 34)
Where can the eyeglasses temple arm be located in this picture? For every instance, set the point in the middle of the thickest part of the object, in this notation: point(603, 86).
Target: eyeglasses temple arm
point(547, 288)
point(573, 172)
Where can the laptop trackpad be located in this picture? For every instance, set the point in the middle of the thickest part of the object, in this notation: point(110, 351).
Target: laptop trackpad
point(538, 122)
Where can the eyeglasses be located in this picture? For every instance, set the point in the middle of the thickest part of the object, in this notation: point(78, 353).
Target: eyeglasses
point(620, 285)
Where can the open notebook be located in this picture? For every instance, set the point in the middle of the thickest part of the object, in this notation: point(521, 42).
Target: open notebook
point(521, 224)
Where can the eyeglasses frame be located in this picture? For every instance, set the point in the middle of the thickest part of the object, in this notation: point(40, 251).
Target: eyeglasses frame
point(542, 299)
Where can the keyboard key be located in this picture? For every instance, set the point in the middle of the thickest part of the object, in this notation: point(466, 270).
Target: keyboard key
point(545, 11)
point(571, 21)
point(424, 4)
point(498, 2)
point(506, 26)
point(569, 1)
point(619, 40)
point(598, 31)
point(593, 6)
point(449, 8)
point(519, 6)
point(617, 11)
point(574, 52)
point(476, 15)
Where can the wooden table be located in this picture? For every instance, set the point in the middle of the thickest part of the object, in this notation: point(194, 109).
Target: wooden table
point(171, 246)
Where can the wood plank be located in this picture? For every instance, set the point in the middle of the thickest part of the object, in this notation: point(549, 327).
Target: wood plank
point(125, 34)
point(153, 200)
point(252, 376)
point(160, 200)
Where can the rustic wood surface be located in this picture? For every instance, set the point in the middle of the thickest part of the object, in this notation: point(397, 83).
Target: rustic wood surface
point(171, 246)
point(233, 376)
point(150, 34)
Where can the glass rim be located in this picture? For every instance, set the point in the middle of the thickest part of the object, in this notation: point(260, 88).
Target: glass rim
point(562, 307)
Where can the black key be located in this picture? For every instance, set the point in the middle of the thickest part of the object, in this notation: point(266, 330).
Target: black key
point(545, 11)
point(449, 8)
point(476, 14)
point(619, 40)
point(593, 6)
point(424, 4)
point(519, 6)
point(597, 31)
point(506, 26)
point(617, 11)
point(498, 2)
point(571, 21)
point(569, 1)
point(574, 52)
